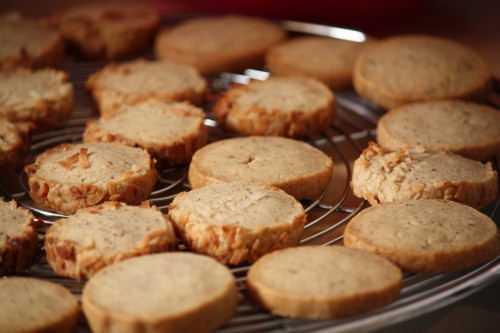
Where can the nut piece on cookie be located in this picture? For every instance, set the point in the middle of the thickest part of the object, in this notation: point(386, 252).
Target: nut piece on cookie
point(291, 106)
point(96, 237)
point(169, 131)
point(108, 30)
point(382, 176)
point(73, 176)
point(237, 222)
point(135, 81)
point(217, 44)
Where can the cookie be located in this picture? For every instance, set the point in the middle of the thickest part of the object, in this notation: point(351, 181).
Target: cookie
point(417, 68)
point(468, 129)
point(293, 107)
point(323, 282)
point(294, 166)
point(174, 131)
point(217, 44)
point(108, 30)
point(380, 176)
point(160, 293)
point(326, 59)
point(13, 145)
point(237, 222)
point(96, 237)
point(425, 235)
point(138, 80)
point(18, 238)
point(26, 43)
point(48, 306)
point(73, 176)
point(43, 98)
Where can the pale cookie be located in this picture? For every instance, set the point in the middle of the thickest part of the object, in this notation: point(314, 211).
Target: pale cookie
point(425, 235)
point(13, 145)
point(171, 132)
point(26, 43)
point(31, 306)
point(96, 237)
point(237, 222)
point(108, 30)
point(468, 129)
point(380, 176)
point(294, 166)
point(292, 106)
point(18, 238)
point(160, 293)
point(217, 44)
point(323, 282)
point(43, 97)
point(135, 81)
point(326, 59)
point(415, 68)
point(73, 176)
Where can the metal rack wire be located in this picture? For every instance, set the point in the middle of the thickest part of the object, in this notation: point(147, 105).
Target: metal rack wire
point(328, 214)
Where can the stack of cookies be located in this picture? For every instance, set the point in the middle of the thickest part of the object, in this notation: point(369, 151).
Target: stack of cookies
point(425, 177)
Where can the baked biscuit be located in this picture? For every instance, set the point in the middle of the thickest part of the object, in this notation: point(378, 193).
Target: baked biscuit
point(32, 305)
point(26, 43)
point(416, 68)
point(326, 59)
point(323, 282)
point(108, 30)
point(135, 81)
point(380, 176)
point(43, 98)
point(171, 132)
point(292, 106)
point(425, 235)
point(160, 293)
point(18, 238)
point(468, 129)
point(73, 176)
point(217, 44)
point(237, 222)
point(96, 237)
point(13, 145)
point(294, 166)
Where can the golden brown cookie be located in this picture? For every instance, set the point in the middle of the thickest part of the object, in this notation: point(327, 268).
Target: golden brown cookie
point(294, 166)
point(323, 282)
point(13, 145)
point(425, 235)
point(292, 107)
point(136, 81)
point(168, 292)
point(417, 68)
point(217, 44)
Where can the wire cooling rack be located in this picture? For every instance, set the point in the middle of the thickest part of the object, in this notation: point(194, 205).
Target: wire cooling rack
point(353, 127)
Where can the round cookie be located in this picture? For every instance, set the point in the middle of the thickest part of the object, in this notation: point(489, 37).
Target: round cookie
point(415, 68)
point(12, 145)
point(237, 222)
point(425, 235)
point(171, 132)
point(160, 293)
point(326, 59)
point(26, 43)
point(48, 306)
point(468, 129)
point(380, 176)
point(43, 98)
point(135, 81)
point(18, 238)
point(217, 44)
point(73, 176)
point(292, 106)
point(108, 30)
point(323, 282)
point(96, 237)
point(294, 166)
